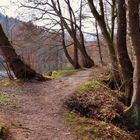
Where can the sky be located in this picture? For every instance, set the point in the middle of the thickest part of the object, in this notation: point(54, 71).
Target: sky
point(4, 2)
point(11, 10)
point(8, 7)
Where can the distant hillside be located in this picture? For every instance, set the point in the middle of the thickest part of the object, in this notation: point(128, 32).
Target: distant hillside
point(37, 46)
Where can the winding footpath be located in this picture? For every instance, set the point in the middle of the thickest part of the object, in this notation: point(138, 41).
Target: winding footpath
point(38, 113)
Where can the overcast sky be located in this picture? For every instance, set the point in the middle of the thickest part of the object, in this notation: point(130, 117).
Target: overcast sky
point(8, 7)
point(11, 9)
point(4, 2)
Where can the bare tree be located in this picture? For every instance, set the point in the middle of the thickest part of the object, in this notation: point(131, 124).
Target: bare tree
point(69, 24)
point(72, 30)
point(124, 60)
point(74, 61)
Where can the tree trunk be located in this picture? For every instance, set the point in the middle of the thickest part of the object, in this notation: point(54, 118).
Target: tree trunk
point(125, 62)
point(76, 58)
point(88, 62)
point(133, 112)
point(113, 17)
point(112, 52)
point(98, 43)
point(21, 70)
point(74, 62)
point(101, 21)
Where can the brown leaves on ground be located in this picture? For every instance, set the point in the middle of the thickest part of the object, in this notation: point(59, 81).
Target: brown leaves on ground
point(102, 110)
point(99, 103)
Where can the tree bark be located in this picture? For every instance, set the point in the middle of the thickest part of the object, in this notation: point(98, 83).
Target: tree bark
point(73, 62)
point(101, 21)
point(124, 60)
point(113, 17)
point(133, 112)
point(19, 68)
point(76, 58)
point(98, 43)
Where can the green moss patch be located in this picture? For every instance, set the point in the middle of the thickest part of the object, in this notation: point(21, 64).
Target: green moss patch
point(6, 99)
point(59, 73)
point(9, 83)
point(89, 85)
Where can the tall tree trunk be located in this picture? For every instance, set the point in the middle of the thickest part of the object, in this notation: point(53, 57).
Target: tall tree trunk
point(98, 43)
point(74, 62)
point(125, 62)
point(19, 68)
point(101, 21)
point(113, 17)
point(76, 58)
point(112, 53)
point(87, 62)
point(133, 112)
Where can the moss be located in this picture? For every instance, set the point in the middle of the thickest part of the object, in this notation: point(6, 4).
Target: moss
point(7, 99)
point(58, 74)
point(9, 83)
point(72, 118)
point(89, 85)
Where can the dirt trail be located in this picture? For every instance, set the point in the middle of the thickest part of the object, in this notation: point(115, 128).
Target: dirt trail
point(38, 115)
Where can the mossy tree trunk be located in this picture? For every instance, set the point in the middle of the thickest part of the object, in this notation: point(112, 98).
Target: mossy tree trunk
point(124, 60)
point(133, 112)
point(19, 68)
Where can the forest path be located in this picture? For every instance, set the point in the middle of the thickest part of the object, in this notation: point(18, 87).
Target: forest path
point(37, 114)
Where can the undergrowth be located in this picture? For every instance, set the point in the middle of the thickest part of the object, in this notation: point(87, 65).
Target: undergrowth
point(93, 129)
point(94, 100)
point(95, 113)
point(8, 83)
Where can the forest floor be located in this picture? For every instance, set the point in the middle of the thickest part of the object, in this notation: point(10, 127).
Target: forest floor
point(33, 111)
